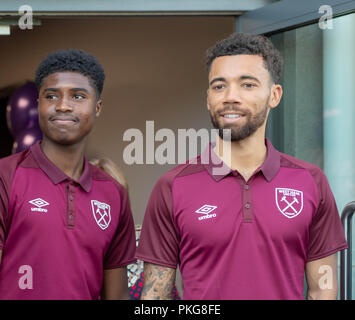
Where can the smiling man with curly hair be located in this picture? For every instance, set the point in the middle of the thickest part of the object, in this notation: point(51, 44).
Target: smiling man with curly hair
point(66, 228)
point(256, 230)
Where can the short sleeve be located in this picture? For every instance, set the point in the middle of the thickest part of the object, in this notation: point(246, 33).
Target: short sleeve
point(8, 167)
point(326, 234)
point(123, 246)
point(3, 212)
point(159, 240)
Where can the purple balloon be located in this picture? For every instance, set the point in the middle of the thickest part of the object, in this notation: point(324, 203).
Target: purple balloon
point(33, 118)
point(26, 138)
point(22, 110)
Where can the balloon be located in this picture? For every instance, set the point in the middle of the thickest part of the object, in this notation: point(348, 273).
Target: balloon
point(26, 138)
point(22, 110)
point(33, 118)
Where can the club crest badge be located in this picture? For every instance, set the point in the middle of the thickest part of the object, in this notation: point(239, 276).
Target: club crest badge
point(101, 212)
point(289, 201)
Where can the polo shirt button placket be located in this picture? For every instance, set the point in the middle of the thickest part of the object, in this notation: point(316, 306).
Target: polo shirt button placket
point(247, 201)
point(71, 204)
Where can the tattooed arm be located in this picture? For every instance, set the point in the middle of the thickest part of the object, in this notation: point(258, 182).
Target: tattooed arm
point(158, 282)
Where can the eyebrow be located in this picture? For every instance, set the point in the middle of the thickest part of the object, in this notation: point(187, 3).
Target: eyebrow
point(80, 89)
point(248, 77)
point(244, 77)
point(217, 79)
point(50, 89)
point(72, 89)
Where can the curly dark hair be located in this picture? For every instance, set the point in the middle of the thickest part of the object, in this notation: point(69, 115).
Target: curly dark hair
point(72, 60)
point(242, 43)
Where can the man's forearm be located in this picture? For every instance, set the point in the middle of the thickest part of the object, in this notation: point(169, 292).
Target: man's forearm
point(115, 284)
point(322, 294)
point(158, 282)
point(322, 278)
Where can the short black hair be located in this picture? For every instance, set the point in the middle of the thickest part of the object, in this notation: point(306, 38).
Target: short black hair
point(242, 43)
point(73, 60)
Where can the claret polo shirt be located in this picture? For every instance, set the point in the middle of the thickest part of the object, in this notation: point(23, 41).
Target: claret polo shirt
point(57, 235)
point(241, 240)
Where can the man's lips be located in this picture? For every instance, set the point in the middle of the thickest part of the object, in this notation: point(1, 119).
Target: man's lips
point(63, 120)
point(229, 116)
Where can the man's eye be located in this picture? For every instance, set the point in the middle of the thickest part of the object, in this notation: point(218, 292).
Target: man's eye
point(248, 85)
point(51, 96)
point(218, 87)
point(78, 96)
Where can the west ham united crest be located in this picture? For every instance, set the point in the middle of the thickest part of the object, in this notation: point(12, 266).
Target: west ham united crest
point(289, 201)
point(101, 212)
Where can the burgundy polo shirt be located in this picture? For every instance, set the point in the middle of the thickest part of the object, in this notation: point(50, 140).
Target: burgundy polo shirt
point(241, 240)
point(57, 235)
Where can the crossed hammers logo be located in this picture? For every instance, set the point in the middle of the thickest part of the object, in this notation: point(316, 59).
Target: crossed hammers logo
point(101, 213)
point(289, 205)
point(102, 216)
point(293, 200)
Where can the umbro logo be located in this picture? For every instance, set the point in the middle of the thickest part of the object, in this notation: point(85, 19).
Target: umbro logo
point(206, 210)
point(39, 203)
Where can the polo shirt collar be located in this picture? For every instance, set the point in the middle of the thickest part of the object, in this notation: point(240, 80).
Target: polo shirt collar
point(269, 168)
point(55, 174)
point(271, 165)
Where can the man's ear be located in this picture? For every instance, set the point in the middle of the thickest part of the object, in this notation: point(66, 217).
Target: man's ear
point(98, 108)
point(276, 95)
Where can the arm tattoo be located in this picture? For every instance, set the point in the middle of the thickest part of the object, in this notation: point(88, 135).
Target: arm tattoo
point(158, 282)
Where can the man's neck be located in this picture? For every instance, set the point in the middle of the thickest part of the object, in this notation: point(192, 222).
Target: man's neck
point(245, 155)
point(68, 158)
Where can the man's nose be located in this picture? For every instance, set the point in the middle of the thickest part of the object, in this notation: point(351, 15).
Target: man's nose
point(64, 105)
point(233, 94)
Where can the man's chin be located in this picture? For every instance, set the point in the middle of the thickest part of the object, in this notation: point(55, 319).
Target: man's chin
point(228, 134)
point(63, 141)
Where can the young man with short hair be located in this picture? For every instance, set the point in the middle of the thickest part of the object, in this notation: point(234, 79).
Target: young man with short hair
point(254, 231)
point(66, 228)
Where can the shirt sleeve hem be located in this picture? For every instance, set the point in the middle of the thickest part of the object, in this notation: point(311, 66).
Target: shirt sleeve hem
point(327, 253)
point(120, 265)
point(157, 262)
